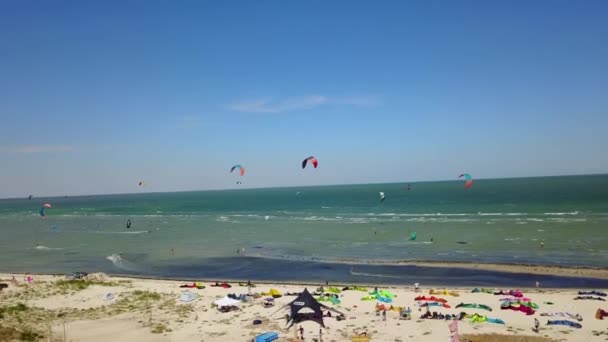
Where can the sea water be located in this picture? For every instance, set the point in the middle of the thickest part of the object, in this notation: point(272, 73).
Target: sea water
point(212, 233)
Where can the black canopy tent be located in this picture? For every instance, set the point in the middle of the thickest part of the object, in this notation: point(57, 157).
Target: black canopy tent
point(306, 300)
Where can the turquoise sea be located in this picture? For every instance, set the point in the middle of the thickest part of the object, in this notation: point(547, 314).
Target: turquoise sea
point(197, 234)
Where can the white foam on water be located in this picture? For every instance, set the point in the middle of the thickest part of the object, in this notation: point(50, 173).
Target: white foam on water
point(128, 232)
point(121, 263)
point(375, 275)
point(45, 248)
point(115, 258)
point(562, 213)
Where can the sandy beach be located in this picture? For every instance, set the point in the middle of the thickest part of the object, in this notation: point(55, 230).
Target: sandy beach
point(104, 308)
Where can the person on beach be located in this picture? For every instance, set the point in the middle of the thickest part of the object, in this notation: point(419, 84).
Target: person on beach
point(416, 287)
point(537, 284)
point(384, 315)
point(536, 325)
point(301, 333)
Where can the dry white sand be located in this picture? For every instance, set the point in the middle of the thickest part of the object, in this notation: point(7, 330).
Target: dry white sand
point(199, 321)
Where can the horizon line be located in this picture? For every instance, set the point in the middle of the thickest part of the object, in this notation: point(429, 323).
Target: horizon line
point(296, 186)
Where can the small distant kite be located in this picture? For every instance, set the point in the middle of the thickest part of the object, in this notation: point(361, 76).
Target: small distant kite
point(240, 167)
point(382, 197)
point(313, 161)
point(413, 236)
point(141, 183)
point(468, 180)
point(30, 197)
point(42, 209)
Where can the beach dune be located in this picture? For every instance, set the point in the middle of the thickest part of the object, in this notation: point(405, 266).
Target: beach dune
point(131, 309)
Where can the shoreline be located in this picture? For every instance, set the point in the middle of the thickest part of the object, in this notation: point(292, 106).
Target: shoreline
point(520, 269)
point(570, 271)
point(538, 269)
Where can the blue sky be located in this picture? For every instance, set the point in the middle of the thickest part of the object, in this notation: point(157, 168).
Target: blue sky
point(96, 95)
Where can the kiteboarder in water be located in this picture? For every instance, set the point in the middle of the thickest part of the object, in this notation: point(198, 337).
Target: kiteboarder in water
point(128, 223)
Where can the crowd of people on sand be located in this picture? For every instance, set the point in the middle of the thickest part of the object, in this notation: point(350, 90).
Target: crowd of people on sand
point(28, 279)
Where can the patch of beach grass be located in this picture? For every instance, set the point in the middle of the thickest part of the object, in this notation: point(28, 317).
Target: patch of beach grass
point(146, 295)
point(12, 309)
point(30, 335)
point(159, 328)
point(8, 334)
point(73, 285)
